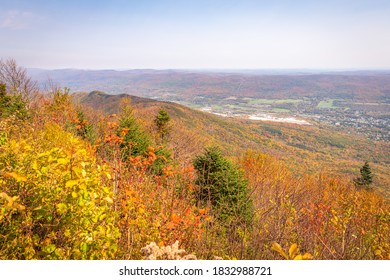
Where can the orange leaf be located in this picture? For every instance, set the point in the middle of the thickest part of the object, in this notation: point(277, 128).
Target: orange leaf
point(175, 218)
point(171, 225)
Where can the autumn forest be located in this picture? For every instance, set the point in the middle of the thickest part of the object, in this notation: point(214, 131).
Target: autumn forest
point(99, 176)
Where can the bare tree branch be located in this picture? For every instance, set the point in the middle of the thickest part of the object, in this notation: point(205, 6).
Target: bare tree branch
point(17, 80)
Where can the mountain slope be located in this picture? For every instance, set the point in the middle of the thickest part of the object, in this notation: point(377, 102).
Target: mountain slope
point(305, 149)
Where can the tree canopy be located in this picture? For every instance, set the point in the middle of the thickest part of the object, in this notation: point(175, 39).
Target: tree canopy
point(365, 179)
point(222, 185)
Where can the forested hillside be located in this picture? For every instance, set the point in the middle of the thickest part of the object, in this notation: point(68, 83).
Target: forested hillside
point(93, 176)
point(305, 149)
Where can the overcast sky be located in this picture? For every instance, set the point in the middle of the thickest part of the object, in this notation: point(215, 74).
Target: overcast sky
point(197, 34)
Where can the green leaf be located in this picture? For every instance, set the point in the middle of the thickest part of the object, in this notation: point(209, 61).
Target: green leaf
point(84, 247)
point(49, 248)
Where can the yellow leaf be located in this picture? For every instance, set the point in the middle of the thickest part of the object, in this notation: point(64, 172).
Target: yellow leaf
point(276, 247)
point(11, 201)
point(61, 208)
point(18, 206)
point(34, 165)
point(17, 177)
point(298, 257)
point(27, 147)
point(54, 150)
point(71, 183)
point(44, 169)
point(4, 196)
point(293, 251)
point(307, 256)
point(62, 161)
point(50, 159)
point(67, 233)
point(77, 171)
point(109, 200)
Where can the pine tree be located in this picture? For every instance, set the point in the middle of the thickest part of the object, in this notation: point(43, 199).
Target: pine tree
point(84, 129)
point(135, 140)
point(162, 124)
point(12, 104)
point(365, 179)
point(4, 100)
point(222, 185)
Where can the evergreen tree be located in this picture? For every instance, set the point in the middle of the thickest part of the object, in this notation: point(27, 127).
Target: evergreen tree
point(4, 100)
point(135, 140)
point(365, 179)
point(222, 185)
point(162, 124)
point(12, 104)
point(84, 129)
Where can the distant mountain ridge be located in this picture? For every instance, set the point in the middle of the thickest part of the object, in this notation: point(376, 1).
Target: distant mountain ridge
point(105, 102)
point(359, 85)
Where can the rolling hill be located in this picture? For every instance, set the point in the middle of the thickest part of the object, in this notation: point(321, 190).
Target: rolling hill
point(306, 149)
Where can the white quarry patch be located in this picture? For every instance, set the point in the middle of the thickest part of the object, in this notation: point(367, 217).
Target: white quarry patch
point(258, 117)
point(266, 117)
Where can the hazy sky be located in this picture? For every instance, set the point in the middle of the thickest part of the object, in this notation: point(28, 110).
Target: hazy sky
point(119, 34)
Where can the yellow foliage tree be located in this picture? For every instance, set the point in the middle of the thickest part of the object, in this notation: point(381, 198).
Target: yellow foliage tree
point(53, 203)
